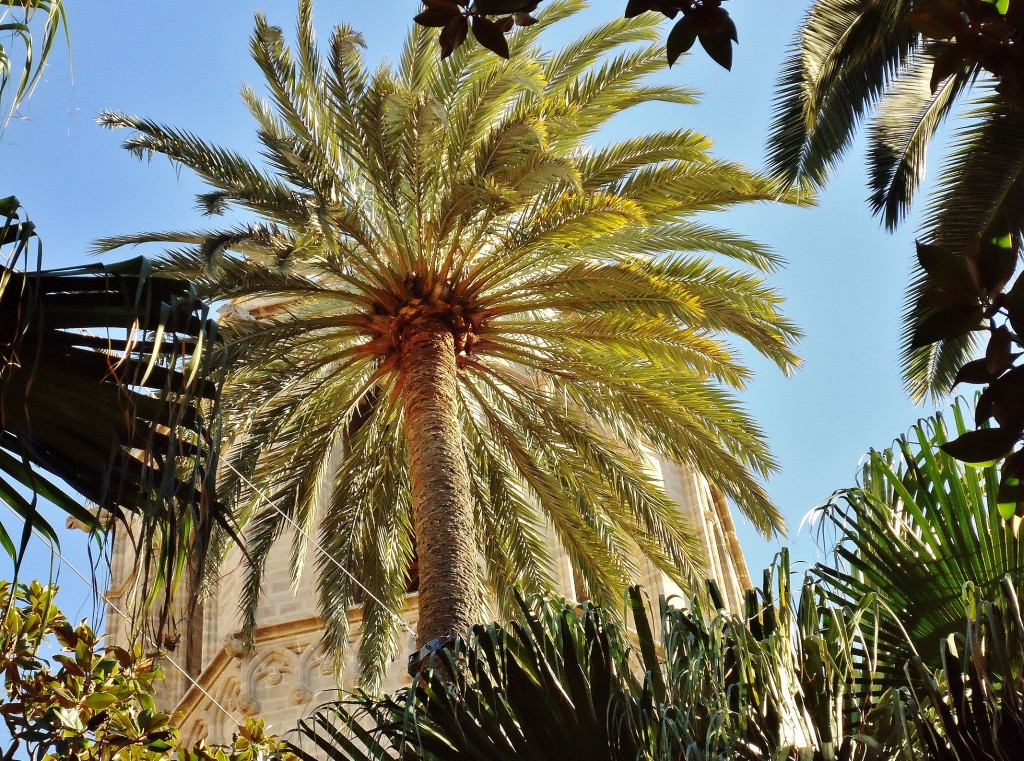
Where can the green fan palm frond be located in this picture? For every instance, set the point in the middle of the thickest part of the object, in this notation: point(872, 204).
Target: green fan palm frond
point(459, 327)
point(789, 680)
point(919, 528)
point(108, 377)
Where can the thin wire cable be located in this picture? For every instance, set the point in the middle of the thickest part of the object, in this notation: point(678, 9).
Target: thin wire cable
point(263, 495)
point(42, 537)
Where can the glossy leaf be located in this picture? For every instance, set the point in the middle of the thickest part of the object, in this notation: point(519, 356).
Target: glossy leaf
point(489, 34)
point(952, 321)
point(984, 446)
point(680, 39)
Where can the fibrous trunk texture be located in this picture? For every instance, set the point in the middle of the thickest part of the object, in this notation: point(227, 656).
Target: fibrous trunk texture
point(442, 509)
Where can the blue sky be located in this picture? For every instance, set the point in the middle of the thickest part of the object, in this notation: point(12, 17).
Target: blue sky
point(182, 63)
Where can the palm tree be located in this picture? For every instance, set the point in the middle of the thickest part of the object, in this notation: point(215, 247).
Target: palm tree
point(453, 320)
point(852, 58)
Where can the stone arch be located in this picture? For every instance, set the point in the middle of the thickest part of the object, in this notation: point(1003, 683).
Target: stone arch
point(198, 729)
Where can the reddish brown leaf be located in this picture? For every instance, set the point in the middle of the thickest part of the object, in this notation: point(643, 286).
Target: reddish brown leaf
point(501, 7)
point(505, 24)
point(996, 257)
point(982, 446)
point(636, 7)
point(1014, 305)
point(946, 63)
point(437, 17)
point(489, 35)
point(949, 271)
point(998, 355)
point(453, 35)
point(937, 19)
point(974, 372)
point(949, 322)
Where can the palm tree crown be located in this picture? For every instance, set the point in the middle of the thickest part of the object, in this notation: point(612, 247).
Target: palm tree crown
point(455, 322)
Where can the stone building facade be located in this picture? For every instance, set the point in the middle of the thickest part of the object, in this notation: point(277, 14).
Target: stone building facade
point(287, 676)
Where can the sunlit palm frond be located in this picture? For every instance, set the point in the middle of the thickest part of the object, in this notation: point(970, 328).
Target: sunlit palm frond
point(841, 62)
point(907, 119)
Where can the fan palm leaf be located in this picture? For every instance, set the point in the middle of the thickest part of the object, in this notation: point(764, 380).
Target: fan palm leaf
point(107, 379)
point(457, 324)
point(917, 530)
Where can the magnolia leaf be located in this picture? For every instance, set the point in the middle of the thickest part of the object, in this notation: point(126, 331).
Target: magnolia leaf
point(951, 272)
point(974, 372)
point(1014, 306)
point(100, 700)
point(502, 7)
point(945, 65)
point(453, 35)
point(998, 355)
point(489, 35)
point(1010, 498)
point(438, 16)
point(982, 447)
point(718, 45)
point(635, 7)
point(996, 259)
point(936, 19)
point(680, 39)
point(949, 322)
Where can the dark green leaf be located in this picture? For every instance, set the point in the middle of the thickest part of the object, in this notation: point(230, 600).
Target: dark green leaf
point(975, 371)
point(1014, 306)
point(489, 35)
point(503, 7)
point(997, 261)
point(983, 446)
point(453, 35)
point(950, 322)
point(680, 39)
point(718, 45)
point(949, 271)
point(438, 16)
point(947, 63)
point(635, 7)
point(998, 356)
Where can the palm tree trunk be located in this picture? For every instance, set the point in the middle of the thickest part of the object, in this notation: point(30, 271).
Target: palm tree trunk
point(442, 507)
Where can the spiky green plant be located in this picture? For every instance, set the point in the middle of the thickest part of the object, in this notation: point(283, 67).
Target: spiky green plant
point(456, 319)
point(788, 682)
point(855, 58)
